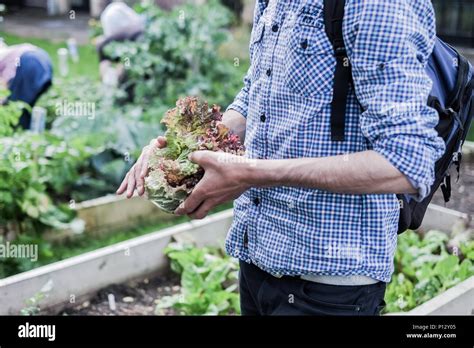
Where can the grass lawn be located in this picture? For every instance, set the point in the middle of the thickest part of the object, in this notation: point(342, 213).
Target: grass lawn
point(87, 66)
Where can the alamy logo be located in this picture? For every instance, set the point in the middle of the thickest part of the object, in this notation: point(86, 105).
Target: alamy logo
point(19, 251)
point(37, 331)
point(75, 109)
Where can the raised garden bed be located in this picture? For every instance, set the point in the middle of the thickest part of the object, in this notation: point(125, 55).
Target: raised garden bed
point(88, 277)
point(112, 213)
point(82, 276)
point(458, 300)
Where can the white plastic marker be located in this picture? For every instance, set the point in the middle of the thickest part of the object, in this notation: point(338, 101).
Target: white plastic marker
point(73, 51)
point(63, 63)
point(38, 119)
point(112, 305)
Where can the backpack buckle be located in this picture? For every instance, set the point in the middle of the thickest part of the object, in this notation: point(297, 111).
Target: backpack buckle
point(446, 188)
point(340, 51)
point(457, 157)
point(454, 114)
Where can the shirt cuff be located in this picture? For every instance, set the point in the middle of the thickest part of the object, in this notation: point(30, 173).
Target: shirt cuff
point(423, 190)
point(238, 106)
point(423, 187)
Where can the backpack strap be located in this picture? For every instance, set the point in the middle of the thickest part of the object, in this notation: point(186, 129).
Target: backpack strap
point(454, 99)
point(333, 16)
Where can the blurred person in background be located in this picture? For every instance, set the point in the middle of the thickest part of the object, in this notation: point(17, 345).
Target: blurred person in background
point(120, 23)
point(27, 72)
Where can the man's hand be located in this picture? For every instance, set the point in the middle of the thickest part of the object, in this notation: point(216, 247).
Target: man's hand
point(135, 178)
point(224, 180)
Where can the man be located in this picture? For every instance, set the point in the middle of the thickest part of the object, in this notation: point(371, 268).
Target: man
point(27, 72)
point(316, 220)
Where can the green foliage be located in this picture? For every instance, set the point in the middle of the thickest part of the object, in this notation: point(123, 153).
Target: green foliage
point(114, 134)
point(178, 55)
point(33, 303)
point(467, 250)
point(34, 167)
point(424, 268)
point(208, 281)
point(64, 91)
point(10, 113)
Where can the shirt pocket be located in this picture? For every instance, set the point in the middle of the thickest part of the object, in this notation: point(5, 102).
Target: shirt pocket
point(256, 47)
point(310, 68)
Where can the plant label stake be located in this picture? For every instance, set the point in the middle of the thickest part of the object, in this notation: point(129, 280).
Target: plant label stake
point(112, 304)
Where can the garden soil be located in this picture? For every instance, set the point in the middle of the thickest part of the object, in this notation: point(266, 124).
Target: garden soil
point(462, 192)
point(131, 298)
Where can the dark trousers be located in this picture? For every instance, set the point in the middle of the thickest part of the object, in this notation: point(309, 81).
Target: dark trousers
point(33, 77)
point(263, 294)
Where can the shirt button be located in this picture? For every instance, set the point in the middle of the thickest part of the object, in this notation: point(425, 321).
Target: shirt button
point(304, 44)
point(263, 117)
point(291, 205)
point(275, 28)
point(256, 201)
point(269, 72)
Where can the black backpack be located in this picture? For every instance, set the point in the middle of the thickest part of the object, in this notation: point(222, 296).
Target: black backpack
point(451, 96)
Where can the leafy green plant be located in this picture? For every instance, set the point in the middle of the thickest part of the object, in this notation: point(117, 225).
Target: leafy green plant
point(208, 281)
point(192, 125)
point(10, 113)
point(467, 249)
point(178, 55)
point(424, 268)
point(113, 134)
point(33, 168)
point(66, 92)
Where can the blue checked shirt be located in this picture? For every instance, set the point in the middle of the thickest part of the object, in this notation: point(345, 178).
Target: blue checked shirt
point(286, 101)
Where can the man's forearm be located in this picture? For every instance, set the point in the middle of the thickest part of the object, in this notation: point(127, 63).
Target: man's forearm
point(236, 122)
point(358, 173)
